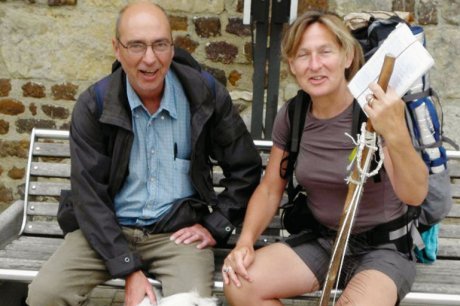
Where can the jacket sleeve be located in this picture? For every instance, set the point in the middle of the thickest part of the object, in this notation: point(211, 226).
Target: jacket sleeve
point(234, 150)
point(93, 205)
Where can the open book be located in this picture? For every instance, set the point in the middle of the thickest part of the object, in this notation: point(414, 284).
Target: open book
point(412, 62)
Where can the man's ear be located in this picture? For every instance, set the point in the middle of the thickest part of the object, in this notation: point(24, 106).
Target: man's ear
point(116, 48)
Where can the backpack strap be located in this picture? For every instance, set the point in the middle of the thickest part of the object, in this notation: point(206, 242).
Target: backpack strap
point(100, 89)
point(297, 111)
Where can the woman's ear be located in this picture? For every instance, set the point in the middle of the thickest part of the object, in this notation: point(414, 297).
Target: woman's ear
point(292, 66)
point(349, 59)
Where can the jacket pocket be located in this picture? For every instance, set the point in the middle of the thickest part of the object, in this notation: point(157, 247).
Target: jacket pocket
point(66, 215)
point(184, 212)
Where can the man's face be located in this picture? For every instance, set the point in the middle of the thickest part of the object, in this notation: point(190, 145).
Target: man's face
point(144, 24)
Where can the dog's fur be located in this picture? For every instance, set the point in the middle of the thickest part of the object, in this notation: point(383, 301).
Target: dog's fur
point(182, 299)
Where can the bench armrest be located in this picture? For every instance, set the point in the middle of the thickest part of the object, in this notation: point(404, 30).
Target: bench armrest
point(10, 222)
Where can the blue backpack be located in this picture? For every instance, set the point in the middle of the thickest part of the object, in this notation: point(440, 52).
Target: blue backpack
point(424, 119)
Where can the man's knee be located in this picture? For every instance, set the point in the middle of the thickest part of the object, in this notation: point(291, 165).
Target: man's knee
point(43, 294)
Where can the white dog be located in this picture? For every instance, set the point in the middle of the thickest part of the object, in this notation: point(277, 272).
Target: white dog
point(182, 299)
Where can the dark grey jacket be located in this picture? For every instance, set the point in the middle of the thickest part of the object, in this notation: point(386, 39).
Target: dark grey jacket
point(100, 150)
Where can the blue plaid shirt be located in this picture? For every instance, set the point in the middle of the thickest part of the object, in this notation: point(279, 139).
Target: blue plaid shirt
point(160, 157)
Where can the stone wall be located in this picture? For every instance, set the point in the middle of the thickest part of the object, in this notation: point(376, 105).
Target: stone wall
point(52, 50)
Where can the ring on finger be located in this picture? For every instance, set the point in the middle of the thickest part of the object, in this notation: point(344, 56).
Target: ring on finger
point(227, 269)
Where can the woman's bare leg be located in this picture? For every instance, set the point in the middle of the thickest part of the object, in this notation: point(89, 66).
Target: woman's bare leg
point(277, 272)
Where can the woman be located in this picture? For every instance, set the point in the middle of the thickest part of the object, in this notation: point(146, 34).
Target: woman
point(323, 57)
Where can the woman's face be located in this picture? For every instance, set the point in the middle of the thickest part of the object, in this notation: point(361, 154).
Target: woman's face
point(319, 63)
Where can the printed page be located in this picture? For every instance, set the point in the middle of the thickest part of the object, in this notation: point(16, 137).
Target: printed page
point(412, 62)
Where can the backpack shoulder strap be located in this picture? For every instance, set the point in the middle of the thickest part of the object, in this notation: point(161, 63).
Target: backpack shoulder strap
point(100, 89)
point(297, 111)
point(358, 118)
point(210, 81)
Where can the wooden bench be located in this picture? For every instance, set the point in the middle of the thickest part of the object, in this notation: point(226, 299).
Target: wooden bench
point(29, 232)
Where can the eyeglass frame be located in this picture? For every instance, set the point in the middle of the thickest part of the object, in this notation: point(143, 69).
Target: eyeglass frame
point(153, 45)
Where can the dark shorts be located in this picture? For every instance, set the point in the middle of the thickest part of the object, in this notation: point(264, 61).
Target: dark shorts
point(360, 256)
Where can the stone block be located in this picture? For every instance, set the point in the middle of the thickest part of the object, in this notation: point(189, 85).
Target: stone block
point(427, 13)
point(55, 112)
point(248, 51)
point(14, 148)
point(11, 107)
point(178, 23)
point(61, 2)
point(234, 77)
point(195, 6)
point(404, 5)
point(236, 26)
point(25, 126)
point(306, 5)
point(4, 127)
point(16, 173)
point(34, 90)
point(206, 27)
point(66, 91)
point(221, 52)
point(33, 109)
point(5, 87)
point(6, 194)
point(186, 42)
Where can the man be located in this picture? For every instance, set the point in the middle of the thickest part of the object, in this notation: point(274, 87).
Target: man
point(141, 177)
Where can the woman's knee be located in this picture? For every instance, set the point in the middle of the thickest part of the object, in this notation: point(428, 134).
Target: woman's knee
point(246, 294)
point(369, 287)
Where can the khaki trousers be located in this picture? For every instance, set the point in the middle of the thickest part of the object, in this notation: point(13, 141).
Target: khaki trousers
point(70, 274)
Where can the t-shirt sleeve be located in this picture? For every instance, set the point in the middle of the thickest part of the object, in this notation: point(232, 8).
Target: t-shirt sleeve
point(281, 128)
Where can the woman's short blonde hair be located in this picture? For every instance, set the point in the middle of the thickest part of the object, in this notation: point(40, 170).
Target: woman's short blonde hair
point(334, 23)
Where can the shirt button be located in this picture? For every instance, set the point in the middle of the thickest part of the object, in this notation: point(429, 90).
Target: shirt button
point(153, 151)
point(228, 229)
point(127, 259)
point(162, 117)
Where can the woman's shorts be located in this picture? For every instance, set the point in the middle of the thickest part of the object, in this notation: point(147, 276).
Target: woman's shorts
point(359, 257)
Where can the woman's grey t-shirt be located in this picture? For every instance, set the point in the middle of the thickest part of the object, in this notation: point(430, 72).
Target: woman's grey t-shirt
point(322, 170)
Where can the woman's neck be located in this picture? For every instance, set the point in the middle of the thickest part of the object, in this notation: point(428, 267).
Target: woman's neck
point(329, 106)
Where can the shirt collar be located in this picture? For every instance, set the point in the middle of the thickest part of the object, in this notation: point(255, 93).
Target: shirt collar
point(168, 101)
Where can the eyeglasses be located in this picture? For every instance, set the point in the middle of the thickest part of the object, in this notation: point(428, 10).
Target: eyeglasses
point(139, 48)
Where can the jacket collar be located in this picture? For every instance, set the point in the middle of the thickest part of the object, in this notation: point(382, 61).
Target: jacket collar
point(116, 109)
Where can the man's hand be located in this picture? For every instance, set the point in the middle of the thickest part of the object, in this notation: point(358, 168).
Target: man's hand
point(192, 234)
point(137, 286)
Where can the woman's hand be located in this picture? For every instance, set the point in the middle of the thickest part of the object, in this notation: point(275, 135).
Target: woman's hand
point(236, 264)
point(386, 111)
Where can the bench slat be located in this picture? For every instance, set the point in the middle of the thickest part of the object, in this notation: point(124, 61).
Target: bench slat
point(47, 188)
point(51, 149)
point(42, 209)
point(43, 228)
point(438, 277)
point(50, 169)
point(454, 169)
point(455, 191)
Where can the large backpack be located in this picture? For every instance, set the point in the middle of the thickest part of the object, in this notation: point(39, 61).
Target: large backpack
point(424, 120)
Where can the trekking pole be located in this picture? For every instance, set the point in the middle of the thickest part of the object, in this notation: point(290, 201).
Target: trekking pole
point(355, 189)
